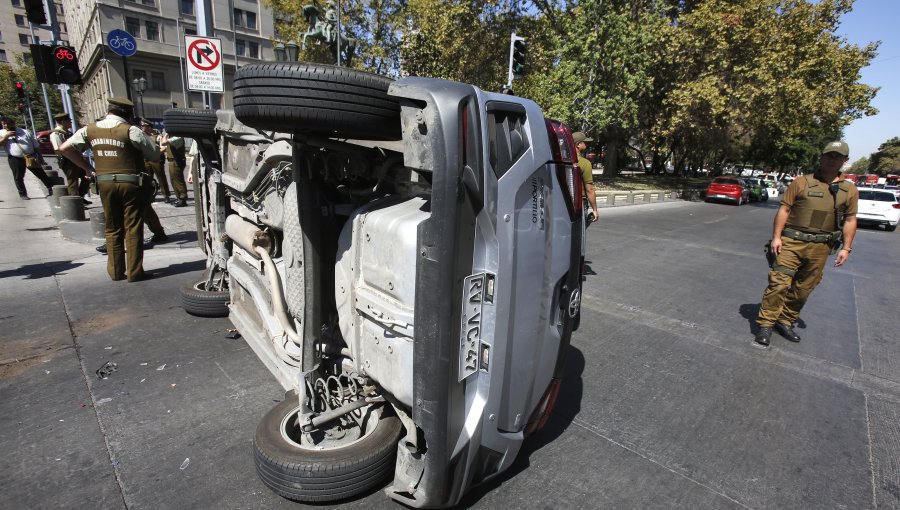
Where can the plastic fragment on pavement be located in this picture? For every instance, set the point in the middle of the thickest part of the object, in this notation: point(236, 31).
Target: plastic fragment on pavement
point(185, 464)
point(161, 367)
point(106, 369)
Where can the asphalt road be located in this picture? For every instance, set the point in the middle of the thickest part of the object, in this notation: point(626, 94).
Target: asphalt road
point(666, 404)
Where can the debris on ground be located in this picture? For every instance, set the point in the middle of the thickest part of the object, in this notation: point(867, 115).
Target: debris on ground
point(108, 368)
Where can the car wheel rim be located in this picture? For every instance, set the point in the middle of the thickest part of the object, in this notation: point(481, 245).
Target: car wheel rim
point(339, 433)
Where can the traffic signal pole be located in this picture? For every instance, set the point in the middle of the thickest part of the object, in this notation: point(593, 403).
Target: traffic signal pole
point(35, 40)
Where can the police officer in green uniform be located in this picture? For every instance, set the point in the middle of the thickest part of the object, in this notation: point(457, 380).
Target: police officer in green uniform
point(817, 214)
point(119, 151)
point(173, 146)
point(587, 172)
point(151, 168)
point(76, 184)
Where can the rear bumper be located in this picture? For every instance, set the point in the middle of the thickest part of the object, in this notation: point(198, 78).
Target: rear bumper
point(466, 420)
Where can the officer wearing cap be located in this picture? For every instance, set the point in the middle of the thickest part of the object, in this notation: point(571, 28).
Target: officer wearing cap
point(817, 213)
point(587, 173)
point(151, 219)
point(156, 167)
point(173, 147)
point(76, 184)
point(119, 151)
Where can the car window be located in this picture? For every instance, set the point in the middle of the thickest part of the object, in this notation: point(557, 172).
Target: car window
point(725, 180)
point(876, 196)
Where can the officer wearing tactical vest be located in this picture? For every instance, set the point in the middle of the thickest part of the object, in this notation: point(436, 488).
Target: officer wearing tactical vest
point(173, 147)
point(119, 151)
point(76, 184)
point(817, 214)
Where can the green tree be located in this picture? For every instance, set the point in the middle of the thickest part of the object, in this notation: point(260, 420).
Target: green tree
point(9, 101)
point(886, 160)
point(860, 166)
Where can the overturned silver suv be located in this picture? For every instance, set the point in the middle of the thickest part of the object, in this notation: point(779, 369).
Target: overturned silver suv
point(404, 257)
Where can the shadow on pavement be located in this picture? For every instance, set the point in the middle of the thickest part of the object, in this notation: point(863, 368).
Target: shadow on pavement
point(42, 270)
point(751, 311)
point(182, 268)
point(568, 405)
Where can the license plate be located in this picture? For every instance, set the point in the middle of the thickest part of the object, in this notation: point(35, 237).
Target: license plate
point(470, 330)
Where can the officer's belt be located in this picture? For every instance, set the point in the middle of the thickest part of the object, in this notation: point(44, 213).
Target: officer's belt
point(126, 178)
point(809, 238)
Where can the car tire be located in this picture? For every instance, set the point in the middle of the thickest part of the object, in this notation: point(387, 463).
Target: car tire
point(322, 475)
point(190, 122)
point(316, 99)
point(890, 228)
point(196, 300)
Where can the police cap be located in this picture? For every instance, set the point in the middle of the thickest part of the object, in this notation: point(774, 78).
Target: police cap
point(61, 117)
point(120, 102)
point(837, 146)
point(579, 137)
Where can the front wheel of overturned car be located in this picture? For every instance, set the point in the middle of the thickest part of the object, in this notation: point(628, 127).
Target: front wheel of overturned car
point(317, 99)
point(325, 464)
point(196, 300)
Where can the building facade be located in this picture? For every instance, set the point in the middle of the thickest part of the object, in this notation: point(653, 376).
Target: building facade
point(159, 27)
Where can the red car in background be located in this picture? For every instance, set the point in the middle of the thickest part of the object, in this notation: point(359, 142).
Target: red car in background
point(728, 188)
point(44, 145)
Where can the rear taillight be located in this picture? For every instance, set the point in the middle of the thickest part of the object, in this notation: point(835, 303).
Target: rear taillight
point(896, 206)
point(566, 159)
point(542, 413)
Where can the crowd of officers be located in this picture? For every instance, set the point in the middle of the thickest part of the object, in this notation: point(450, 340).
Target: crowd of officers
point(126, 164)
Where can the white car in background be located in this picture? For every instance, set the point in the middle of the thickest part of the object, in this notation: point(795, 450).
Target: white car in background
point(878, 207)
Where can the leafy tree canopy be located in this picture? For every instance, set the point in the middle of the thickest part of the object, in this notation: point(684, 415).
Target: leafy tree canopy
point(700, 82)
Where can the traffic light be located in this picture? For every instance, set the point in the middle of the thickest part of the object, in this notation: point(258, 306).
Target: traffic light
point(22, 95)
point(65, 64)
point(520, 50)
point(34, 11)
point(44, 70)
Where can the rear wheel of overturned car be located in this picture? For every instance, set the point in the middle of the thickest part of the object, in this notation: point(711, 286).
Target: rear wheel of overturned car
point(190, 122)
point(325, 464)
point(197, 300)
point(316, 99)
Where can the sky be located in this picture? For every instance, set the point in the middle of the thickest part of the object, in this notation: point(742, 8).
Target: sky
point(876, 20)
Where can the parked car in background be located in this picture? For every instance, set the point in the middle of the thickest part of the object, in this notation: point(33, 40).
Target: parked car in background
point(894, 189)
point(773, 188)
point(878, 208)
point(758, 191)
point(729, 188)
point(44, 145)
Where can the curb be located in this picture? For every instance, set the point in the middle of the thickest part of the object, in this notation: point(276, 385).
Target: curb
point(645, 196)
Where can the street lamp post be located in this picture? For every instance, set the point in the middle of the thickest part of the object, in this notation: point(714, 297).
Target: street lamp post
point(287, 52)
point(140, 85)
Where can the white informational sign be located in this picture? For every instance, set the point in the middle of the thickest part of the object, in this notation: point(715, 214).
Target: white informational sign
point(204, 64)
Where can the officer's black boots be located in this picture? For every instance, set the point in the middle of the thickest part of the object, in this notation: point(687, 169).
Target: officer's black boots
point(763, 336)
point(787, 331)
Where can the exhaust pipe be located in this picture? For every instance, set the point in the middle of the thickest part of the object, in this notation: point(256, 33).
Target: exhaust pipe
point(247, 235)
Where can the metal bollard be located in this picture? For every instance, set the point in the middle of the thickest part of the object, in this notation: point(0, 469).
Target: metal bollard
point(98, 224)
point(72, 208)
point(58, 191)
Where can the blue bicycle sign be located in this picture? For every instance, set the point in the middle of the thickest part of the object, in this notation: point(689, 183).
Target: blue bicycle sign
point(122, 43)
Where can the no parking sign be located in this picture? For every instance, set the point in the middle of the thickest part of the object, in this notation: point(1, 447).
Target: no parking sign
point(204, 59)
